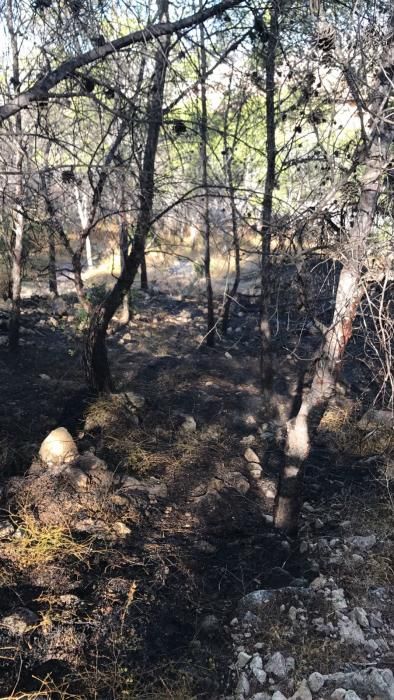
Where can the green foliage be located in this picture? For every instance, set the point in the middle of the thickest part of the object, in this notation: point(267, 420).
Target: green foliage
point(96, 294)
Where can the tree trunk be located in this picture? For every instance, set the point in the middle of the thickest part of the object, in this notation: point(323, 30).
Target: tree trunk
point(144, 273)
point(18, 213)
point(89, 256)
point(301, 428)
point(266, 361)
point(210, 336)
point(95, 353)
point(123, 251)
point(52, 280)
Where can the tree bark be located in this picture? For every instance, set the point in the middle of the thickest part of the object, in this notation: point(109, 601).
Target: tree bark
point(18, 217)
point(144, 273)
point(95, 352)
point(52, 280)
point(301, 428)
point(266, 357)
point(210, 336)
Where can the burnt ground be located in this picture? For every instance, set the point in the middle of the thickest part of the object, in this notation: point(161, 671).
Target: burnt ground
point(142, 613)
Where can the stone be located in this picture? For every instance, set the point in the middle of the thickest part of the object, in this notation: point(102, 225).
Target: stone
point(209, 623)
point(360, 616)
point(363, 542)
point(338, 694)
point(243, 687)
point(276, 666)
point(134, 399)
point(6, 529)
point(248, 440)
point(351, 695)
point(319, 583)
point(20, 621)
point(375, 682)
point(338, 599)
point(256, 666)
point(237, 481)
point(251, 456)
point(242, 660)
point(189, 425)
point(375, 418)
point(350, 632)
point(278, 695)
point(120, 529)
point(263, 696)
point(58, 448)
point(303, 692)
point(153, 488)
point(316, 681)
point(255, 470)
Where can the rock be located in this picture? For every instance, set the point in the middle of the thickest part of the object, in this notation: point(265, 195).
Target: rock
point(59, 307)
point(338, 599)
point(134, 399)
point(263, 696)
point(256, 666)
point(6, 529)
point(316, 681)
point(153, 488)
point(364, 543)
point(375, 682)
point(276, 666)
point(350, 632)
point(351, 695)
point(189, 425)
point(20, 621)
point(58, 448)
point(338, 694)
point(303, 692)
point(375, 418)
point(319, 583)
point(278, 695)
point(242, 660)
point(255, 470)
point(120, 529)
point(251, 456)
point(237, 481)
point(243, 687)
point(360, 616)
point(248, 440)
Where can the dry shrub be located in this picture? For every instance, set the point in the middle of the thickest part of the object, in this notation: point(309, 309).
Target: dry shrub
point(39, 544)
point(341, 425)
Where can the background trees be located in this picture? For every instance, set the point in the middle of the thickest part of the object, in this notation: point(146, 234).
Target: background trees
point(264, 132)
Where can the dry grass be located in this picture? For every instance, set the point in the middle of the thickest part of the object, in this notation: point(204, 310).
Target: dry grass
point(341, 425)
point(40, 544)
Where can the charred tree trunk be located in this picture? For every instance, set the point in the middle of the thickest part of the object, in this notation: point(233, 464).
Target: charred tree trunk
point(266, 362)
point(301, 428)
point(95, 352)
point(18, 217)
point(210, 336)
point(123, 251)
point(52, 279)
point(144, 273)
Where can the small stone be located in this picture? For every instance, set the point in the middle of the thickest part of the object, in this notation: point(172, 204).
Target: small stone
point(362, 542)
point(121, 530)
point(243, 659)
point(304, 547)
point(303, 692)
point(316, 681)
point(59, 307)
point(251, 456)
point(276, 666)
point(351, 695)
point(20, 621)
point(278, 695)
point(6, 529)
point(292, 613)
point(248, 440)
point(262, 696)
point(243, 687)
point(357, 559)
point(319, 583)
point(360, 616)
point(228, 356)
point(345, 525)
point(350, 632)
point(338, 694)
point(189, 425)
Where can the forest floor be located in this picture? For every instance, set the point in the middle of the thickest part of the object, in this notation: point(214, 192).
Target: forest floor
point(132, 593)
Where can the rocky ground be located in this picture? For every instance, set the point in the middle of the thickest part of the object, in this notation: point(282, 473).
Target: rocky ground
point(141, 562)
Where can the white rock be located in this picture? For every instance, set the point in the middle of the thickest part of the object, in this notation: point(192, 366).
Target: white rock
point(316, 681)
point(338, 694)
point(58, 448)
point(360, 616)
point(276, 665)
point(350, 632)
point(20, 621)
point(278, 696)
point(189, 425)
point(251, 456)
point(243, 659)
point(303, 692)
point(243, 687)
